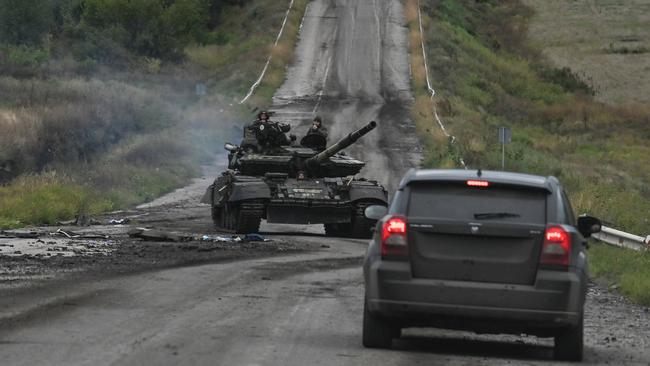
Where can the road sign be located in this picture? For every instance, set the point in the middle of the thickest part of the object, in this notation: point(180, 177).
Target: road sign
point(505, 135)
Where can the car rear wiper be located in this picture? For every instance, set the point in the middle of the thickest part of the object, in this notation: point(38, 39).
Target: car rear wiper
point(494, 215)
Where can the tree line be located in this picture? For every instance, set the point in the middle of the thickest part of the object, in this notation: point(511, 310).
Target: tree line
point(104, 30)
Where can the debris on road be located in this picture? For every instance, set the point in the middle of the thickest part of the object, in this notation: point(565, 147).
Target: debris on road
point(220, 239)
point(123, 221)
point(235, 238)
point(254, 237)
point(20, 234)
point(158, 235)
point(72, 235)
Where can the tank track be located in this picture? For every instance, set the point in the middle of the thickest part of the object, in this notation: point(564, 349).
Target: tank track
point(359, 227)
point(338, 229)
point(244, 217)
point(250, 216)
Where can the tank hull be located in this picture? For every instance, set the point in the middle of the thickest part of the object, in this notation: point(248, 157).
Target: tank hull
point(336, 202)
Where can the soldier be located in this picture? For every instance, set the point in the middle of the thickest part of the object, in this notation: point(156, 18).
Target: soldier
point(250, 135)
point(317, 127)
point(264, 134)
point(316, 137)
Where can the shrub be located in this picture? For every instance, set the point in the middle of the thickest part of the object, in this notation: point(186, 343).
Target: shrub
point(73, 121)
point(25, 21)
point(151, 28)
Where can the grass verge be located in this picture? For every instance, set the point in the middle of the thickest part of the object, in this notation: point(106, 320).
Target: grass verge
point(438, 150)
point(627, 270)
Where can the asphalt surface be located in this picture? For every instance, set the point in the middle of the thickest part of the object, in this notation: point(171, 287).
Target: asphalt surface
point(295, 300)
point(352, 67)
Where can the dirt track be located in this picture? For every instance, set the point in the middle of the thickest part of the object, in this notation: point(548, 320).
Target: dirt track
point(294, 301)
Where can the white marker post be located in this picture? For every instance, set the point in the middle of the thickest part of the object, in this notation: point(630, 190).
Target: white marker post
point(505, 137)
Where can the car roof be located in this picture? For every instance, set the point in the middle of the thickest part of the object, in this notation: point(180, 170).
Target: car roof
point(454, 175)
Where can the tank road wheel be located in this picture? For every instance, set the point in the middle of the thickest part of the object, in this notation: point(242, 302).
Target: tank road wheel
point(361, 225)
point(217, 217)
point(220, 217)
point(337, 230)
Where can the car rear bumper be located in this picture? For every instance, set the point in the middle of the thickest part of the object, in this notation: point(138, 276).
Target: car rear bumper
point(554, 301)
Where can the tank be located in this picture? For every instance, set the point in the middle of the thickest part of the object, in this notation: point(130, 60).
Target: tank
point(299, 184)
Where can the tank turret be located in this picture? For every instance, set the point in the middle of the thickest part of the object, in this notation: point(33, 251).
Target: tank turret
point(294, 160)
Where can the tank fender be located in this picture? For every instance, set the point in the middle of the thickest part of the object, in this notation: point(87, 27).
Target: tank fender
point(366, 192)
point(249, 190)
point(207, 196)
point(213, 195)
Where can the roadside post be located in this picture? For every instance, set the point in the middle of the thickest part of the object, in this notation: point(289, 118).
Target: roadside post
point(505, 137)
point(200, 89)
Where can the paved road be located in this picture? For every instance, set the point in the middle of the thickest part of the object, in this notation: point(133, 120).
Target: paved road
point(352, 67)
point(301, 308)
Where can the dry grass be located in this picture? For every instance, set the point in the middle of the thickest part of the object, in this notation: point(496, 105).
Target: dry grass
point(438, 152)
point(627, 269)
point(602, 41)
point(72, 121)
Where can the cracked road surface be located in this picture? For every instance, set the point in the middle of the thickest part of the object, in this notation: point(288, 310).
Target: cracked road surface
point(294, 301)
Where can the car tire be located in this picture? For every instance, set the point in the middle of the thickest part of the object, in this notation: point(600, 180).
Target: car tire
point(377, 332)
point(569, 344)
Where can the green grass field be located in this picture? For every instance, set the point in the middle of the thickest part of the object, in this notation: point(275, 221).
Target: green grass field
point(627, 270)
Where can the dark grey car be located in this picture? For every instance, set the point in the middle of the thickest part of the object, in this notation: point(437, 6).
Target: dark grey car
point(489, 252)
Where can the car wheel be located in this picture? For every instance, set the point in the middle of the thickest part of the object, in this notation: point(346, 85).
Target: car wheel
point(569, 344)
point(377, 332)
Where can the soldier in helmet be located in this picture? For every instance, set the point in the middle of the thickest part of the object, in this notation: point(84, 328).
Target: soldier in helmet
point(265, 135)
point(316, 137)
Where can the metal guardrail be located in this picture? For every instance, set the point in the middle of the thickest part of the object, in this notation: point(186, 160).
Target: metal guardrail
point(622, 239)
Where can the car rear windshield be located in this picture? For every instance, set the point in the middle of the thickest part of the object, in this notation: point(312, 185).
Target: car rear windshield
point(460, 202)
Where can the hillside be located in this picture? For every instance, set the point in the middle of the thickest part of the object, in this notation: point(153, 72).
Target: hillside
point(488, 73)
point(98, 103)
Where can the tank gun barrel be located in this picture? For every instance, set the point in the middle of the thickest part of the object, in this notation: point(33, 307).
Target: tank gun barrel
point(343, 143)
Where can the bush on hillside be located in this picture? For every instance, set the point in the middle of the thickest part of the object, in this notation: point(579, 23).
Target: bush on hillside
point(25, 21)
point(71, 122)
point(148, 27)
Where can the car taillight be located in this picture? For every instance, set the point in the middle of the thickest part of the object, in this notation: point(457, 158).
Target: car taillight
point(393, 238)
point(556, 250)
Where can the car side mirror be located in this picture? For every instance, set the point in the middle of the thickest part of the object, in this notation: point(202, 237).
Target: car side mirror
point(230, 147)
point(588, 225)
point(375, 212)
